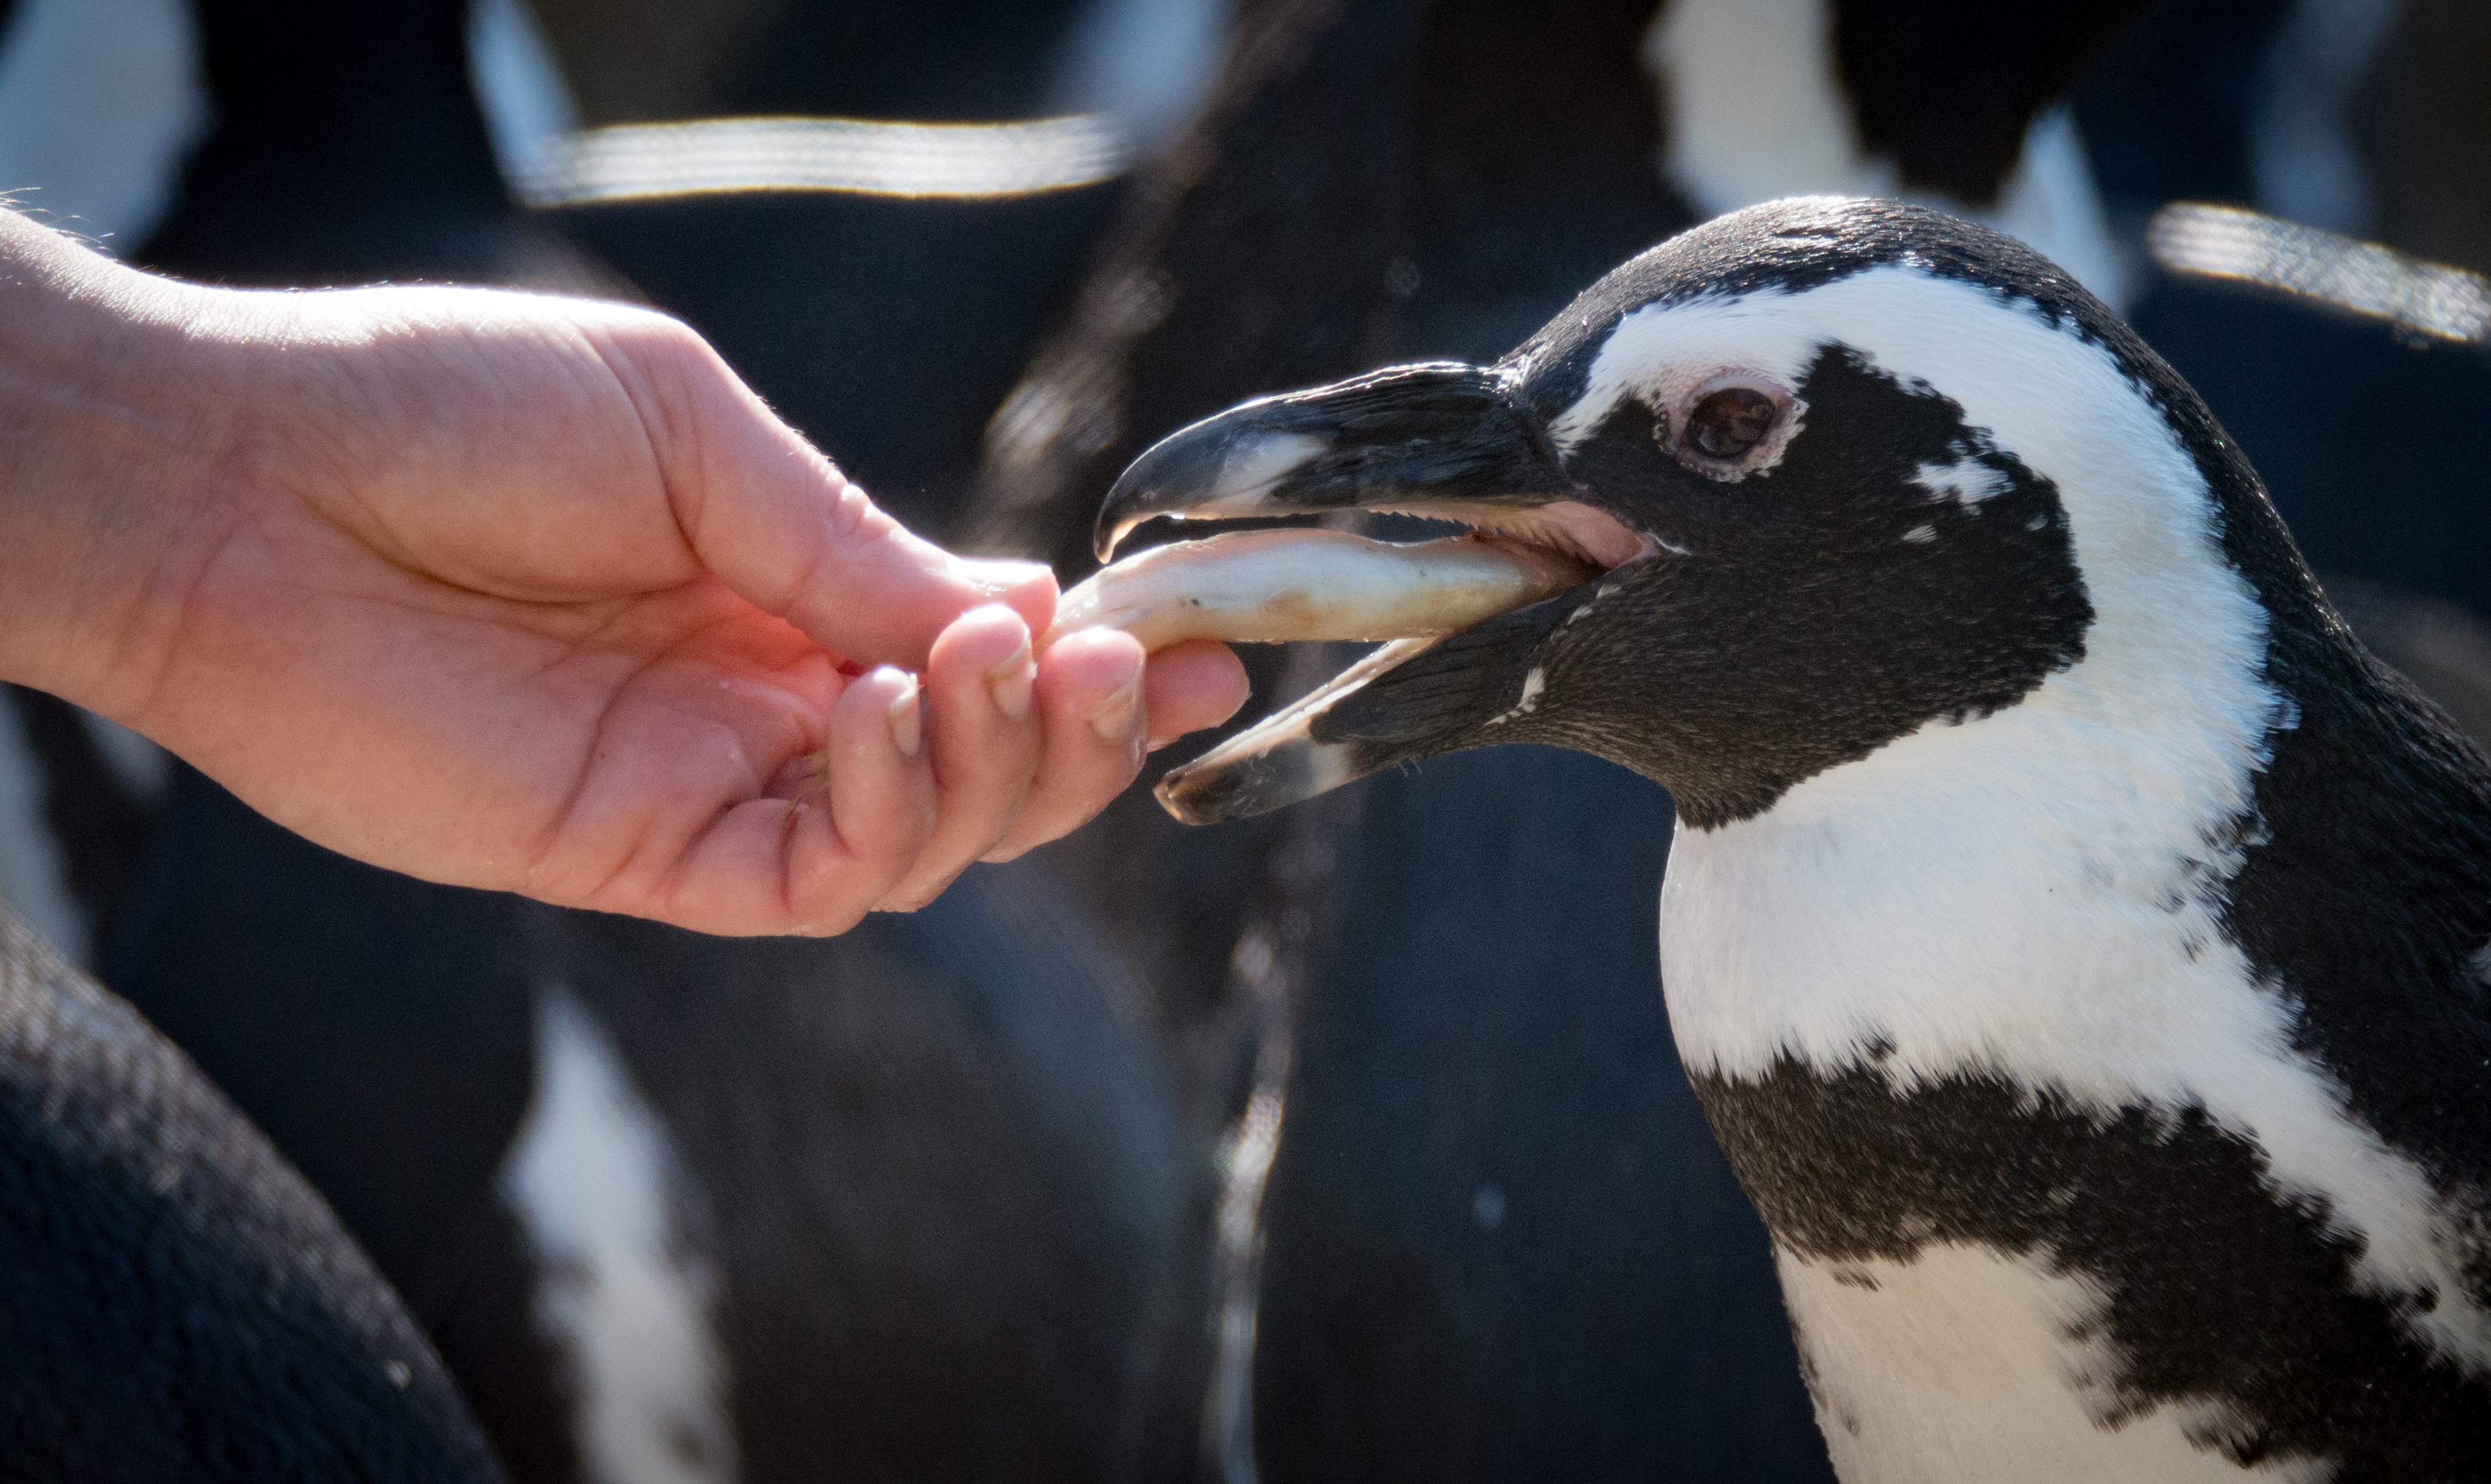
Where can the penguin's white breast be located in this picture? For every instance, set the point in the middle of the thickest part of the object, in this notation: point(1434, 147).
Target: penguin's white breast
point(1967, 1364)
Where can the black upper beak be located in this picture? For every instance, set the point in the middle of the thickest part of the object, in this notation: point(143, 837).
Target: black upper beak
point(1428, 438)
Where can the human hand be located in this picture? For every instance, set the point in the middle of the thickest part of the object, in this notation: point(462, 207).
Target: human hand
point(532, 594)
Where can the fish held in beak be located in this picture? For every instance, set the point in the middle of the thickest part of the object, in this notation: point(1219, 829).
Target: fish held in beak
point(1279, 587)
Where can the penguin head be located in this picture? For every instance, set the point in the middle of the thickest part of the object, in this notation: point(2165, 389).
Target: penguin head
point(1847, 469)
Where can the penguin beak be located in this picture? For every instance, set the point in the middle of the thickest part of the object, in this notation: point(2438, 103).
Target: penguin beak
point(1439, 439)
point(1443, 441)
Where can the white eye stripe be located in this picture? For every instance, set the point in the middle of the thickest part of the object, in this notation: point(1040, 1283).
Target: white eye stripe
point(1670, 393)
point(1661, 352)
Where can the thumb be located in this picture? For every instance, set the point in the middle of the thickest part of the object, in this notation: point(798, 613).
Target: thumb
point(875, 592)
point(778, 523)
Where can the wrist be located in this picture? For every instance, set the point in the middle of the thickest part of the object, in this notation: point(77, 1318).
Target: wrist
point(119, 409)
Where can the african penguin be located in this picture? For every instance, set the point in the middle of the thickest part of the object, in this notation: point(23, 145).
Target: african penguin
point(2080, 944)
point(1388, 183)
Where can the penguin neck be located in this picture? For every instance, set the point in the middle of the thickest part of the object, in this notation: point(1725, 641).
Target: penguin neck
point(2036, 893)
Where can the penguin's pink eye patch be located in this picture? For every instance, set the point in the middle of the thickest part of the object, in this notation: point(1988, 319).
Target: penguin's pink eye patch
point(1728, 423)
point(1725, 425)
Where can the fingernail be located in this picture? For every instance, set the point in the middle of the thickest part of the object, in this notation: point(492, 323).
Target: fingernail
point(1000, 574)
point(907, 732)
point(1013, 682)
point(1116, 719)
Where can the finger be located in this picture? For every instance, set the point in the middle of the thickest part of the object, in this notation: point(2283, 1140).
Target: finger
point(862, 584)
point(981, 686)
point(880, 812)
point(1189, 687)
point(1090, 700)
point(819, 864)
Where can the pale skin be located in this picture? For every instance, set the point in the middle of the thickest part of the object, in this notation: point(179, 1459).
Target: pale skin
point(531, 593)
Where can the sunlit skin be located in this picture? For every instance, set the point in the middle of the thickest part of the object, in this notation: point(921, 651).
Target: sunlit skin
point(530, 593)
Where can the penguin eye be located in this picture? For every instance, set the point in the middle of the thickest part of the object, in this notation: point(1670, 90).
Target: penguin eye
point(1728, 423)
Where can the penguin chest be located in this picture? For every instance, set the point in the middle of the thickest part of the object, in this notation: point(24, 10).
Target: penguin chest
point(2055, 1193)
point(1966, 1362)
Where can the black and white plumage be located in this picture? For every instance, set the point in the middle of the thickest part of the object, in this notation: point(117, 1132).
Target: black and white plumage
point(178, 1303)
point(2078, 940)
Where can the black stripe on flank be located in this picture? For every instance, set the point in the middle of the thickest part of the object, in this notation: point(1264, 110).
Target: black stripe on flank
point(2217, 1292)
